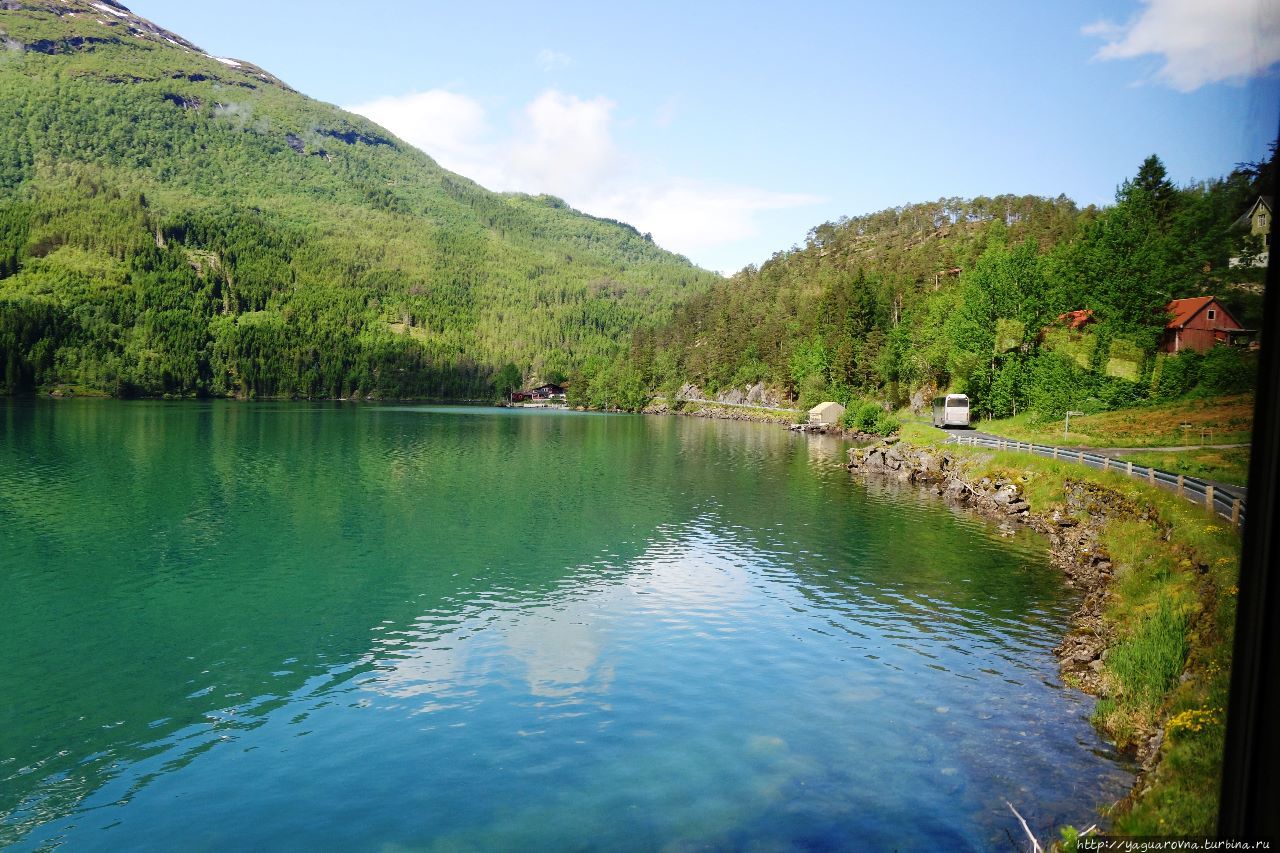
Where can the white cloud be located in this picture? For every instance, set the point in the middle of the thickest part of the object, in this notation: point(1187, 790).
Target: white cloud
point(688, 217)
point(550, 59)
point(1200, 42)
point(565, 145)
point(450, 127)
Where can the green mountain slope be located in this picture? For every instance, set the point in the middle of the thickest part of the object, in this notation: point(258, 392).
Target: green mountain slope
point(171, 222)
point(973, 295)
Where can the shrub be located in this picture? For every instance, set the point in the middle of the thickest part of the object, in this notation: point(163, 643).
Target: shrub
point(886, 424)
point(813, 390)
point(749, 373)
point(1226, 370)
point(1117, 393)
point(1177, 375)
point(864, 419)
point(869, 417)
point(1052, 384)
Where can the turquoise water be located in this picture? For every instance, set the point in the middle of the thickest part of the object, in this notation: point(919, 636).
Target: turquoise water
point(302, 626)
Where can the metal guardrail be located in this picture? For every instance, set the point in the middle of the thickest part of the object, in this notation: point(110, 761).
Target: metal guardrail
point(1220, 501)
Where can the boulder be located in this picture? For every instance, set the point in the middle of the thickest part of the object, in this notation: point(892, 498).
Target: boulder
point(733, 397)
point(689, 391)
point(922, 399)
point(758, 395)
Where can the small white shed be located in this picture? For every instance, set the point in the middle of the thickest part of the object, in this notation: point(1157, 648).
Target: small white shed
point(826, 414)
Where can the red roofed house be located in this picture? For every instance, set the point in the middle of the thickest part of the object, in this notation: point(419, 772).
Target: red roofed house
point(1076, 320)
point(1199, 323)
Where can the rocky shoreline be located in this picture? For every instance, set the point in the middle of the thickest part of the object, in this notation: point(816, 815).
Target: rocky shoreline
point(1073, 528)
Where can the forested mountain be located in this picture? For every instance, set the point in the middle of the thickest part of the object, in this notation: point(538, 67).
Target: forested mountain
point(968, 295)
point(177, 223)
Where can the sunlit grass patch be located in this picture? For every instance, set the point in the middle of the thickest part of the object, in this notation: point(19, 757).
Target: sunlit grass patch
point(1143, 574)
point(1225, 464)
point(1226, 419)
point(920, 432)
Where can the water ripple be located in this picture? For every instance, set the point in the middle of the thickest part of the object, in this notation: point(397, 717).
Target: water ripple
point(471, 628)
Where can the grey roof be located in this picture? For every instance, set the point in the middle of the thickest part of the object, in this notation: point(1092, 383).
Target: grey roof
point(1265, 200)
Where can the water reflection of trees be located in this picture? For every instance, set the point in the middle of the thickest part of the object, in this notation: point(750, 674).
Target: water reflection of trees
point(201, 561)
point(177, 573)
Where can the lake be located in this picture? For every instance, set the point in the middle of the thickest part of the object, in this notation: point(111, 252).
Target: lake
point(302, 626)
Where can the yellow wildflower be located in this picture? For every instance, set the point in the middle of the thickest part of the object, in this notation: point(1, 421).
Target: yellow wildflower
point(1193, 720)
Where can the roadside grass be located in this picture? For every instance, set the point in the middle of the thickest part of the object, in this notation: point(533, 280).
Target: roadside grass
point(1229, 418)
point(1169, 619)
point(920, 432)
point(1225, 464)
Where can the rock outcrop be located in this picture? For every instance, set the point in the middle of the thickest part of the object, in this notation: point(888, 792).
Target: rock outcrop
point(755, 395)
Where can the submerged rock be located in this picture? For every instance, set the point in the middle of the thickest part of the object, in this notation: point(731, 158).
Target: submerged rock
point(1073, 529)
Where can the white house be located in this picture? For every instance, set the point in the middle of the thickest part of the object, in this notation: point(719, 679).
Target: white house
point(826, 414)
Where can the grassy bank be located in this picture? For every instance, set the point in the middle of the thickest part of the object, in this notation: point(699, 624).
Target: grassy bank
point(1223, 464)
point(1210, 420)
point(1167, 622)
point(921, 433)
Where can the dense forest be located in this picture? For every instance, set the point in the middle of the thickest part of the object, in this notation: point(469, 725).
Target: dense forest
point(968, 295)
point(176, 224)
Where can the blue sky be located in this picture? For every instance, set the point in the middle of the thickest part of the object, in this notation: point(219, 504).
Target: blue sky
point(728, 130)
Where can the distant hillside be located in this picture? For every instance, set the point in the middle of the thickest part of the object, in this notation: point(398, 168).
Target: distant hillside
point(173, 222)
point(966, 294)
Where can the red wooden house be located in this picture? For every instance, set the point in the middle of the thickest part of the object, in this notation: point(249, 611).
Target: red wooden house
point(1198, 324)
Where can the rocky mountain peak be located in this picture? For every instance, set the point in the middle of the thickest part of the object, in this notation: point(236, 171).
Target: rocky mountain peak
point(65, 26)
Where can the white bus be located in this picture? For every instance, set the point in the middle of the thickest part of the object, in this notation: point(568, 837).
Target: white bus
point(951, 410)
